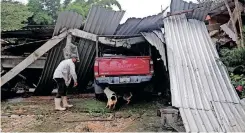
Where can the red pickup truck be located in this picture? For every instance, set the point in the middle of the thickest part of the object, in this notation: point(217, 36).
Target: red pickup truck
point(111, 69)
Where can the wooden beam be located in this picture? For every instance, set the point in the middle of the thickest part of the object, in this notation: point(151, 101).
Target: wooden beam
point(31, 58)
point(107, 40)
point(231, 18)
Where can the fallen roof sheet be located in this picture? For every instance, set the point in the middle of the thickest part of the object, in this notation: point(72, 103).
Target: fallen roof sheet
point(156, 39)
point(200, 11)
point(136, 25)
point(200, 84)
point(100, 21)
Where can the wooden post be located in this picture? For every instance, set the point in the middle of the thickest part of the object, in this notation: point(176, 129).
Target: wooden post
point(32, 57)
point(231, 17)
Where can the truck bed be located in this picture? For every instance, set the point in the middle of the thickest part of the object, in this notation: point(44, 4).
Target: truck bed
point(129, 65)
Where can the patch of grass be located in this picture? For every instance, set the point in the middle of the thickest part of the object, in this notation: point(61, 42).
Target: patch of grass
point(91, 106)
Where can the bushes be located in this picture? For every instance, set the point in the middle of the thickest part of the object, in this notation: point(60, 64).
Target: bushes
point(234, 59)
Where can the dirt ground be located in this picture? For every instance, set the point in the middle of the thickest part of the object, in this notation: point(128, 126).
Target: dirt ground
point(37, 114)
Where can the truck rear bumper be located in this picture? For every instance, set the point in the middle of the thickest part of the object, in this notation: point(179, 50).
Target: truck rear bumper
point(123, 79)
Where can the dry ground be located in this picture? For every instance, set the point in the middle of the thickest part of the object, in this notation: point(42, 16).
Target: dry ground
point(36, 114)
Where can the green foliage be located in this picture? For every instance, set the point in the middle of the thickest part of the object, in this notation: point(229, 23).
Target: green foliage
point(45, 11)
point(82, 6)
point(42, 18)
point(234, 60)
point(234, 57)
point(14, 15)
point(105, 3)
point(237, 79)
point(66, 3)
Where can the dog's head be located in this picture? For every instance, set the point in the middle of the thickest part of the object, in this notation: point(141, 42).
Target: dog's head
point(112, 102)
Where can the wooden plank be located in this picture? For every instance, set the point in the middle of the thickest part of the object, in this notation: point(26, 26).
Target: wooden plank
point(33, 57)
point(107, 40)
point(231, 19)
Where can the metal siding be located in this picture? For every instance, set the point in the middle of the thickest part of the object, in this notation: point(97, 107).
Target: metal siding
point(200, 10)
point(100, 21)
point(200, 85)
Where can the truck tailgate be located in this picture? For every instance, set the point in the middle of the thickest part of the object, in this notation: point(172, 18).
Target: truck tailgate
point(124, 66)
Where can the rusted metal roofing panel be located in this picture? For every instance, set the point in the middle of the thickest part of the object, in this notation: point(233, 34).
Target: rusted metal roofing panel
point(200, 11)
point(200, 85)
point(100, 21)
point(136, 25)
point(155, 39)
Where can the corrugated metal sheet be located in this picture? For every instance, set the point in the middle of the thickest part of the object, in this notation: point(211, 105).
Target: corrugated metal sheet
point(156, 39)
point(136, 25)
point(68, 20)
point(100, 21)
point(200, 10)
point(200, 85)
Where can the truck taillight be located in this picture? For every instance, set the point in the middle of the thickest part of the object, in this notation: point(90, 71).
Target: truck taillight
point(96, 69)
point(96, 63)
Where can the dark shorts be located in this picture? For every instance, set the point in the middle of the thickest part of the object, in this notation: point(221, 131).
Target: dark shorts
point(62, 88)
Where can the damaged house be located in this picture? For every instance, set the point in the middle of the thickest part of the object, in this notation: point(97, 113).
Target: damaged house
point(202, 95)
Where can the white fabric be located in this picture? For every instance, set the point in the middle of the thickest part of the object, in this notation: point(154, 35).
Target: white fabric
point(66, 70)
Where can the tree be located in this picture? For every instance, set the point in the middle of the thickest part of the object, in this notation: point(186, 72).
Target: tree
point(45, 11)
point(14, 15)
point(82, 6)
